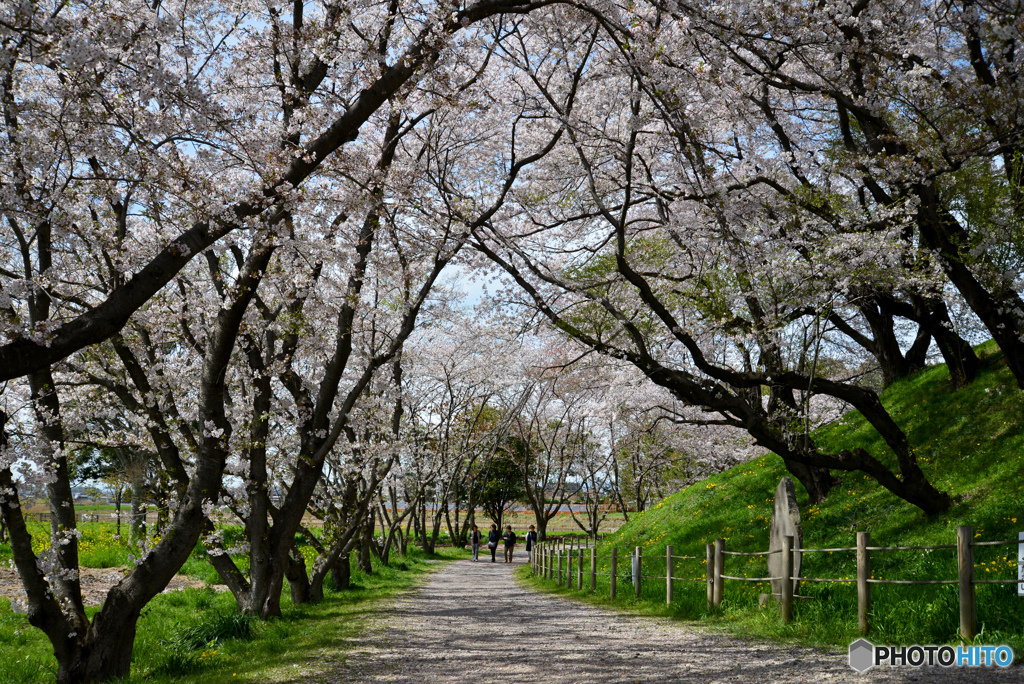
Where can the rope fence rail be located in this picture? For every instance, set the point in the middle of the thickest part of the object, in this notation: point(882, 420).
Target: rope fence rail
point(557, 561)
point(885, 581)
point(750, 579)
point(912, 548)
point(751, 553)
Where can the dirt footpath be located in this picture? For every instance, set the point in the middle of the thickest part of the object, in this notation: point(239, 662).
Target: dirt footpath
point(471, 622)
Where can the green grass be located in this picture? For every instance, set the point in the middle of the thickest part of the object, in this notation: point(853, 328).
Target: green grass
point(98, 547)
point(970, 443)
point(196, 635)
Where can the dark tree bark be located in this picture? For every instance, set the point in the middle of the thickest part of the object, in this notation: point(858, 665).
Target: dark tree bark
point(341, 573)
point(959, 356)
point(932, 317)
point(118, 494)
point(887, 348)
point(298, 579)
point(364, 559)
point(818, 481)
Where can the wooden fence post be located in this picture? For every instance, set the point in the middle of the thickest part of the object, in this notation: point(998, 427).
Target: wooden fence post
point(863, 586)
point(579, 570)
point(719, 568)
point(709, 570)
point(614, 570)
point(637, 570)
point(787, 578)
point(560, 568)
point(568, 567)
point(551, 562)
point(965, 561)
point(593, 568)
point(544, 560)
point(668, 575)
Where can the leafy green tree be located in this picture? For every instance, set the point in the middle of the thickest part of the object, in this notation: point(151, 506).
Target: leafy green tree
point(499, 485)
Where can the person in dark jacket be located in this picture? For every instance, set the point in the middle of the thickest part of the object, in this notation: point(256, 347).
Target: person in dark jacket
point(531, 539)
point(510, 543)
point(492, 541)
point(475, 539)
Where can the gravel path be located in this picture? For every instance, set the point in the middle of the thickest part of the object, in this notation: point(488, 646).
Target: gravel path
point(471, 622)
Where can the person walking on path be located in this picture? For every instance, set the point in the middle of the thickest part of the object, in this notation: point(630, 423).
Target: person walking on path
point(531, 539)
point(475, 539)
point(492, 541)
point(510, 543)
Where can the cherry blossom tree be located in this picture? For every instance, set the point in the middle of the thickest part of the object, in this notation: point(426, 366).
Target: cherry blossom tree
point(919, 114)
point(700, 295)
point(138, 138)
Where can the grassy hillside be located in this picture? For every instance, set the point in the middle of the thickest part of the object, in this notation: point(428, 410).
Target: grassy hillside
point(970, 443)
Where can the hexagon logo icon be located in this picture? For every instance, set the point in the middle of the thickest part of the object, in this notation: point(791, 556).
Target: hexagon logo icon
point(862, 655)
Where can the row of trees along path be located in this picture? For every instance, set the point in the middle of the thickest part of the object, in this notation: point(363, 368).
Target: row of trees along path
point(473, 622)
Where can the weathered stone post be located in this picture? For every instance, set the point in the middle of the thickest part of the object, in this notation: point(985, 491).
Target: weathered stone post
point(863, 586)
point(785, 522)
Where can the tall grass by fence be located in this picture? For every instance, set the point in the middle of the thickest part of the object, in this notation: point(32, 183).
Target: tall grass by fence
point(561, 562)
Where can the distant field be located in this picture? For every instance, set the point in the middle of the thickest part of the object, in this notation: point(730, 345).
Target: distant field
point(561, 523)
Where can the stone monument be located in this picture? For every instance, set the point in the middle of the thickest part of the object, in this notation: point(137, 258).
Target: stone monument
point(785, 521)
